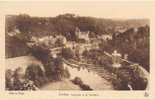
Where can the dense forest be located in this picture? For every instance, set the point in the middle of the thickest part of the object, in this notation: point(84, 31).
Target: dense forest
point(66, 24)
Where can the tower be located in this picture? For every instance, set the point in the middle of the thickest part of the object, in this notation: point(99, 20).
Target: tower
point(116, 57)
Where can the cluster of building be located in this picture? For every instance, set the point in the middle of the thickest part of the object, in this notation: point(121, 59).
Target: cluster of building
point(86, 40)
point(89, 40)
point(49, 41)
point(90, 37)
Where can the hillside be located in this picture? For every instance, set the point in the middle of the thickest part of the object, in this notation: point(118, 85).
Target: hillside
point(135, 43)
point(66, 24)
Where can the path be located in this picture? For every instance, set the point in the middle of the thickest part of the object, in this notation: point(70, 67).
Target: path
point(90, 75)
point(61, 85)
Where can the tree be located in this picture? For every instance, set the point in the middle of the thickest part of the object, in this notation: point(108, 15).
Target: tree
point(35, 74)
point(23, 23)
point(9, 79)
point(41, 53)
point(67, 53)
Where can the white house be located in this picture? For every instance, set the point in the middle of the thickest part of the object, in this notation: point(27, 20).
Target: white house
point(82, 35)
point(14, 32)
point(62, 38)
point(105, 37)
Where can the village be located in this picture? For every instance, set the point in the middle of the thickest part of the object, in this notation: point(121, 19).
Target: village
point(75, 57)
point(85, 41)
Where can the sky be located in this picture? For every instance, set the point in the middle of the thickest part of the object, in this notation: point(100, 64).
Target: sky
point(118, 10)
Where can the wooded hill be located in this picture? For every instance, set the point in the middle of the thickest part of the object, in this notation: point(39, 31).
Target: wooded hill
point(67, 23)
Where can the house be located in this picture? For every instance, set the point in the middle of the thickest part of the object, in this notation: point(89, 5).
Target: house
point(120, 29)
point(62, 38)
point(14, 32)
point(105, 37)
point(82, 34)
point(34, 39)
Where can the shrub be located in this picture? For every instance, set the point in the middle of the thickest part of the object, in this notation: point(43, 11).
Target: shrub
point(55, 70)
point(40, 52)
point(129, 75)
point(67, 53)
point(9, 79)
point(35, 74)
point(79, 82)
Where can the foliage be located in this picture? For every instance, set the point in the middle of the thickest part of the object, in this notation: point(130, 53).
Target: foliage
point(67, 53)
point(35, 74)
point(66, 25)
point(78, 81)
point(129, 76)
point(55, 70)
point(135, 44)
point(138, 43)
point(14, 44)
point(96, 57)
point(40, 52)
point(125, 75)
point(16, 80)
point(9, 79)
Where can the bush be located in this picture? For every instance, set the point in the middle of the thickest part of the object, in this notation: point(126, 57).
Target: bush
point(139, 79)
point(9, 79)
point(21, 82)
point(35, 74)
point(40, 52)
point(55, 70)
point(67, 53)
point(79, 82)
point(131, 76)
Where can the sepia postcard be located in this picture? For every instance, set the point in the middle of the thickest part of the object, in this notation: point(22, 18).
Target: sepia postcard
point(67, 50)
